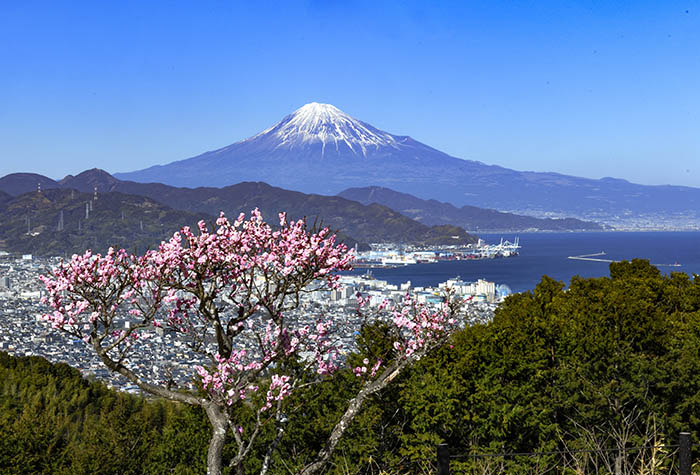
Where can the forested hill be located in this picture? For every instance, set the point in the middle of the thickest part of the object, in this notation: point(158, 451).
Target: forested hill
point(611, 362)
point(63, 222)
point(60, 221)
point(355, 222)
point(433, 212)
point(16, 184)
point(365, 223)
point(4, 197)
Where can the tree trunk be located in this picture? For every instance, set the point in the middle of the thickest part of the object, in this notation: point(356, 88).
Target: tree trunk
point(353, 408)
point(219, 423)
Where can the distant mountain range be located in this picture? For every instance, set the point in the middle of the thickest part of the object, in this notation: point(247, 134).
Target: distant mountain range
point(355, 222)
point(320, 149)
point(473, 219)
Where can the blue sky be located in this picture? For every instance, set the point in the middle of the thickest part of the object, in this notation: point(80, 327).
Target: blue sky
point(597, 88)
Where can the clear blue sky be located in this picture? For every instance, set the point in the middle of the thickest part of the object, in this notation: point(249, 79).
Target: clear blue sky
point(597, 88)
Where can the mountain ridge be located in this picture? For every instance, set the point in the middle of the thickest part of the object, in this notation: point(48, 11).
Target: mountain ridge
point(406, 165)
point(354, 221)
point(478, 220)
point(188, 199)
point(15, 184)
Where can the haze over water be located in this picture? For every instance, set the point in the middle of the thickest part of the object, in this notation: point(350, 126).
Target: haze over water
point(547, 254)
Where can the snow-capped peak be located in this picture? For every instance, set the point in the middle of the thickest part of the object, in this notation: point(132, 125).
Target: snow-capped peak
point(326, 124)
point(309, 116)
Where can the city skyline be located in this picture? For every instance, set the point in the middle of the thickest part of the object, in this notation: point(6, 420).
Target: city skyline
point(585, 89)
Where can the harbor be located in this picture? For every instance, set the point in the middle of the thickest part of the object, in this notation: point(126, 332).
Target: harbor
point(388, 256)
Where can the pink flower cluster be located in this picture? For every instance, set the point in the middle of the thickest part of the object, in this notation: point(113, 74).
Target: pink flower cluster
point(418, 327)
point(361, 371)
point(225, 383)
point(74, 283)
point(236, 248)
point(278, 390)
point(323, 347)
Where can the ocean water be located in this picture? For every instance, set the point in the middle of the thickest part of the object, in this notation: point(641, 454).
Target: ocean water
point(547, 254)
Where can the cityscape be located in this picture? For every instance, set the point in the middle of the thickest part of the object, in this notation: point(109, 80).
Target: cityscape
point(162, 357)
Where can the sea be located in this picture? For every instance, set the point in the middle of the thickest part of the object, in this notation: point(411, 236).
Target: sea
point(548, 254)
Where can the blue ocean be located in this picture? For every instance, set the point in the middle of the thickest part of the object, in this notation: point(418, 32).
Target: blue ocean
point(547, 254)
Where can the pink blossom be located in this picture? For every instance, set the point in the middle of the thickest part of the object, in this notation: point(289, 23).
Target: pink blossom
point(164, 288)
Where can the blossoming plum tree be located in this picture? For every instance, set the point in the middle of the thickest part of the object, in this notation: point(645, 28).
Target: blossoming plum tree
point(227, 294)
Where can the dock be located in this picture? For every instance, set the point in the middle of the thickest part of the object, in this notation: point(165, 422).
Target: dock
point(595, 258)
point(591, 257)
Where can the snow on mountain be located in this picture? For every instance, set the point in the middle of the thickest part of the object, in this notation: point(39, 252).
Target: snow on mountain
point(324, 125)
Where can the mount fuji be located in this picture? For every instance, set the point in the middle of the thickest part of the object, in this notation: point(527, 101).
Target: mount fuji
point(321, 149)
point(316, 149)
